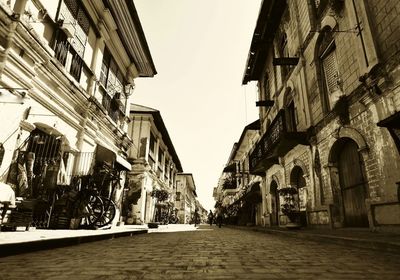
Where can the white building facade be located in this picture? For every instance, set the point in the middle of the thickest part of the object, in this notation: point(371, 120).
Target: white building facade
point(155, 165)
point(67, 71)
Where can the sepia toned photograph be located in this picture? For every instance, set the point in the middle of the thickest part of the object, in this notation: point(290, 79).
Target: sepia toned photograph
point(199, 139)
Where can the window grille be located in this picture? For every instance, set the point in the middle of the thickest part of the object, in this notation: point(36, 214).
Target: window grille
point(104, 67)
point(70, 51)
point(72, 6)
point(112, 80)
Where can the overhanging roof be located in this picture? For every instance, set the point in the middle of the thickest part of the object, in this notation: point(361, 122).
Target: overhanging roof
point(133, 38)
point(139, 109)
point(253, 126)
point(268, 20)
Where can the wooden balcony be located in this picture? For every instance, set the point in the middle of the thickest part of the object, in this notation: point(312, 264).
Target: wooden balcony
point(276, 142)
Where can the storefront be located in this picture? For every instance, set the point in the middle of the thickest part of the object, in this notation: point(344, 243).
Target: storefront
point(66, 188)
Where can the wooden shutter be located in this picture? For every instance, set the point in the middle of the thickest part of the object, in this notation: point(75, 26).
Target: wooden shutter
point(330, 71)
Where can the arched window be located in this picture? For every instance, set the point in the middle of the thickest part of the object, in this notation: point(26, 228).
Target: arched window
point(290, 112)
point(329, 70)
point(284, 52)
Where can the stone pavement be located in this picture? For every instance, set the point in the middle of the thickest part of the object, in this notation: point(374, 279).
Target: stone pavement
point(206, 253)
point(355, 237)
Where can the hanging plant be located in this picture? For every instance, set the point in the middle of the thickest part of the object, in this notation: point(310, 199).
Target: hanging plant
point(341, 109)
point(229, 183)
point(289, 207)
point(161, 195)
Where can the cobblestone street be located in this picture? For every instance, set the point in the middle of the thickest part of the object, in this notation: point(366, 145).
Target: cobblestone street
point(208, 253)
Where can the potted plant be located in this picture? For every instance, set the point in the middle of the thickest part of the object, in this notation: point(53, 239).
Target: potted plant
point(290, 207)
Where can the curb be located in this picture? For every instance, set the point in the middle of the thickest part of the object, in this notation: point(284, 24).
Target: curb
point(37, 245)
point(382, 246)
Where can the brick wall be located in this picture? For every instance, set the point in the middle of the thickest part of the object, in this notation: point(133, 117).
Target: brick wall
point(386, 27)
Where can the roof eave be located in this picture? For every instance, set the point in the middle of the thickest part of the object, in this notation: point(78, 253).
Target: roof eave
point(268, 21)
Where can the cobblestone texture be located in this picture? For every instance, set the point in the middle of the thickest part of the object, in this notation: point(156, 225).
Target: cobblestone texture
point(203, 254)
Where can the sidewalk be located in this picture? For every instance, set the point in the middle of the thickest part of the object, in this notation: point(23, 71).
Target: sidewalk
point(355, 237)
point(15, 242)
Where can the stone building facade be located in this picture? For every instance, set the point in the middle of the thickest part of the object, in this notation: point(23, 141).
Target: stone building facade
point(328, 79)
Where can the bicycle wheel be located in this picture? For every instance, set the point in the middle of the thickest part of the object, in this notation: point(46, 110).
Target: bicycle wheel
point(91, 209)
point(108, 214)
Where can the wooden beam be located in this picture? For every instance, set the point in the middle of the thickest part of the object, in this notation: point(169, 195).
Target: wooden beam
point(285, 61)
point(265, 103)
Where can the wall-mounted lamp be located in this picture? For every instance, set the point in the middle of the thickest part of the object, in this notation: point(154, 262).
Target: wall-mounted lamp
point(129, 88)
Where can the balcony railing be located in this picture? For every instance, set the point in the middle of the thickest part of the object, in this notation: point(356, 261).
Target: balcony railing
point(276, 142)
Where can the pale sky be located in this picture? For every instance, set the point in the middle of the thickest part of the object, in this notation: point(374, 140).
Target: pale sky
point(199, 48)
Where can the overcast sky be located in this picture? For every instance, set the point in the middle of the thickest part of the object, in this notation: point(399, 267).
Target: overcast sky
point(199, 48)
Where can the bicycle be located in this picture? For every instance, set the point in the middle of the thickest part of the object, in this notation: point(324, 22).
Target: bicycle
point(110, 209)
point(86, 205)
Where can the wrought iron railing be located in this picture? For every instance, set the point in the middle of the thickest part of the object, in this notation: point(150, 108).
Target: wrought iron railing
point(269, 140)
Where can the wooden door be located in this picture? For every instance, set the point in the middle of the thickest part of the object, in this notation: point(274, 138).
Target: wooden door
point(352, 184)
point(274, 203)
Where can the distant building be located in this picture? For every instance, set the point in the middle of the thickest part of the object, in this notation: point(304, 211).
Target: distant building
point(239, 191)
point(155, 167)
point(186, 197)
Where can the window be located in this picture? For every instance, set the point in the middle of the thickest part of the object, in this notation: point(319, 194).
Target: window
point(112, 80)
point(291, 121)
point(266, 87)
point(178, 196)
point(160, 159)
point(330, 81)
point(70, 40)
point(284, 52)
point(152, 143)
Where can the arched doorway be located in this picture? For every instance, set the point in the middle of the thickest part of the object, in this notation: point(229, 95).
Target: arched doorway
point(274, 203)
point(297, 180)
point(352, 184)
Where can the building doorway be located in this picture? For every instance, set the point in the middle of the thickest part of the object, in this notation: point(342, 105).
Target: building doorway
point(274, 203)
point(352, 185)
point(297, 180)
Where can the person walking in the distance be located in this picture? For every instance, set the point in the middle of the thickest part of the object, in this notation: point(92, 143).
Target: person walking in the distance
point(210, 218)
point(196, 218)
point(219, 219)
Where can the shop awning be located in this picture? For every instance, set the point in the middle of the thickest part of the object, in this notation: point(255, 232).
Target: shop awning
point(123, 162)
point(105, 154)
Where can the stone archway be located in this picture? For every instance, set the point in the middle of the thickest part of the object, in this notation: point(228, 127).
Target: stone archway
point(348, 182)
point(298, 181)
point(275, 204)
